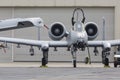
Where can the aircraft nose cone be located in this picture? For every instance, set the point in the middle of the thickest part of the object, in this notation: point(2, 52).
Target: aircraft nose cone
point(81, 43)
point(81, 40)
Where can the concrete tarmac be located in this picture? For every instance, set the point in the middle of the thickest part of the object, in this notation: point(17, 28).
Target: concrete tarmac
point(50, 64)
point(57, 71)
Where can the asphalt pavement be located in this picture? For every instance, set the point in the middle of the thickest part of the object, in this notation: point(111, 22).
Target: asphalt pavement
point(57, 71)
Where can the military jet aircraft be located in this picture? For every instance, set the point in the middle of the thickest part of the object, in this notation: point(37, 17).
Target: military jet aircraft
point(79, 38)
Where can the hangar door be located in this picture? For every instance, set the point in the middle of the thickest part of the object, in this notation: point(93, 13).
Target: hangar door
point(50, 15)
point(6, 13)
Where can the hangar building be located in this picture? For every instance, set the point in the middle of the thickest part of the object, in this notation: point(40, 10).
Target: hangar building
point(57, 11)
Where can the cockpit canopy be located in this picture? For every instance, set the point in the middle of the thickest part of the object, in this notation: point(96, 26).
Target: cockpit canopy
point(78, 27)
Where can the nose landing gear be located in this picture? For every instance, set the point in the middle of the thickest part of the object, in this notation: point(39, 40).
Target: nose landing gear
point(73, 52)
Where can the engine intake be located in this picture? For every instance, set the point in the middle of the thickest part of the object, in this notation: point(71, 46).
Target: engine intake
point(57, 31)
point(92, 30)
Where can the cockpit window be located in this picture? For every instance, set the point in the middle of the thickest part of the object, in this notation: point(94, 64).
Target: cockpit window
point(78, 27)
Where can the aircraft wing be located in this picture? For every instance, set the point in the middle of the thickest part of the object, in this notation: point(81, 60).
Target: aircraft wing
point(38, 43)
point(17, 23)
point(34, 42)
point(103, 43)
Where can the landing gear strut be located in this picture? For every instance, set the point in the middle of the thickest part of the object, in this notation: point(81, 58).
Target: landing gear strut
point(45, 58)
point(105, 59)
point(73, 52)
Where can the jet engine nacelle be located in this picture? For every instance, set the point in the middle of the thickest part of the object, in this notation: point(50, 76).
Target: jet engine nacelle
point(57, 31)
point(92, 30)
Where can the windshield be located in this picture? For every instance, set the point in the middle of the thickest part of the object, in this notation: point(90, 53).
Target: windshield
point(78, 27)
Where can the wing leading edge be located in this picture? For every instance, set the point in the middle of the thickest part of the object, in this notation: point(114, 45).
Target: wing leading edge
point(101, 43)
point(34, 42)
point(56, 43)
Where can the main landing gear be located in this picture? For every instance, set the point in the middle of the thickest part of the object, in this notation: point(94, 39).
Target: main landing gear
point(45, 57)
point(105, 59)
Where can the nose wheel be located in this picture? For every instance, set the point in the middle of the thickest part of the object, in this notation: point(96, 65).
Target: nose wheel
point(74, 63)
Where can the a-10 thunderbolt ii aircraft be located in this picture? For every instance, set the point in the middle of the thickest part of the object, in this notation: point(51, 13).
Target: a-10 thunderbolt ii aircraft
point(79, 38)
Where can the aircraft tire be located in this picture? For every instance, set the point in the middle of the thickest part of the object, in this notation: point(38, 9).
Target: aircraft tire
point(86, 60)
point(106, 62)
point(74, 63)
point(43, 62)
point(115, 64)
